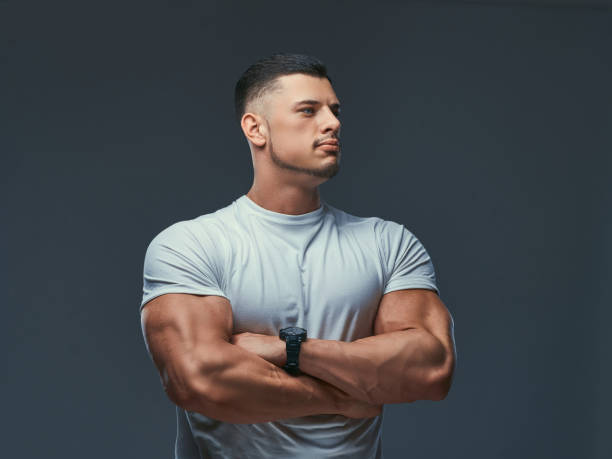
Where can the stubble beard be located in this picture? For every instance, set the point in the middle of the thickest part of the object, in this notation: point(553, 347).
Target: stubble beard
point(325, 172)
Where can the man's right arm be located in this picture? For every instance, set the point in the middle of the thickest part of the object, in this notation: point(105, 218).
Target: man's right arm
point(188, 338)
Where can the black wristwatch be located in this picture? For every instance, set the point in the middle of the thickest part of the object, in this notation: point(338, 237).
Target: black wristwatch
point(294, 337)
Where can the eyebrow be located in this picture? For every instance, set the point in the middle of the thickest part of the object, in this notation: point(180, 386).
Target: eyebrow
point(314, 102)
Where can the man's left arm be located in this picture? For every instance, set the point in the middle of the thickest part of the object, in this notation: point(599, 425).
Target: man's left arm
point(411, 355)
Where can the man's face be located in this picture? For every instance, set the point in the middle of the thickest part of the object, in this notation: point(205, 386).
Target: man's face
point(302, 114)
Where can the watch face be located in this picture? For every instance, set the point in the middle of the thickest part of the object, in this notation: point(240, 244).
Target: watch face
point(293, 331)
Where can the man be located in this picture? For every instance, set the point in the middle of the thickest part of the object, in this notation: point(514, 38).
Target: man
point(281, 325)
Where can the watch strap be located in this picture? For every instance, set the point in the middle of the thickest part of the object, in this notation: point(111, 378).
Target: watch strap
point(293, 344)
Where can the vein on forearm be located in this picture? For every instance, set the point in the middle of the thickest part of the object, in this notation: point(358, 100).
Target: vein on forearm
point(234, 385)
point(392, 367)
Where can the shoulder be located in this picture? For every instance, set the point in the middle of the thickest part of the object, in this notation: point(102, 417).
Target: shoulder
point(344, 219)
point(390, 231)
point(396, 242)
point(385, 230)
point(193, 245)
point(347, 218)
point(206, 229)
point(387, 234)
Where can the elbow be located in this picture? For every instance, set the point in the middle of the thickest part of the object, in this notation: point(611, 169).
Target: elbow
point(196, 390)
point(439, 390)
point(440, 381)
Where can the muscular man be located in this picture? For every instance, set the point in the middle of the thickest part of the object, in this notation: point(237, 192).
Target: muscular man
point(218, 290)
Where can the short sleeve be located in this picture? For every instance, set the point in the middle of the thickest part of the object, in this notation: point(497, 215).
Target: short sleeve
point(183, 258)
point(405, 260)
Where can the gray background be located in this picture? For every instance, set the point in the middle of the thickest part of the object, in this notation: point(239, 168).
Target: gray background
point(484, 127)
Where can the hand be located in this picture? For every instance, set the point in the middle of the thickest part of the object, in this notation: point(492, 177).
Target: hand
point(270, 348)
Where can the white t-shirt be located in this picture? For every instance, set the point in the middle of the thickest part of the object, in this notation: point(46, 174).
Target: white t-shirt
point(325, 271)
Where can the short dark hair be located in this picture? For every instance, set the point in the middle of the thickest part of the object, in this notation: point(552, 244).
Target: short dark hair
point(261, 76)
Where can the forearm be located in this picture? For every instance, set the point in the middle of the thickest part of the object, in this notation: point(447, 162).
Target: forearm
point(240, 387)
point(393, 367)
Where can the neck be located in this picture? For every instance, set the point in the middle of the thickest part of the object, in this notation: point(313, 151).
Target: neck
point(290, 200)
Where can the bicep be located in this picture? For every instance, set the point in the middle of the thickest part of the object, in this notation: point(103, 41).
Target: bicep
point(180, 331)
point(415, 308)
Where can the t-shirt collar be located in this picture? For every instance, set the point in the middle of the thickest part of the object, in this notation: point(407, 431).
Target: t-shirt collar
point(308, 217)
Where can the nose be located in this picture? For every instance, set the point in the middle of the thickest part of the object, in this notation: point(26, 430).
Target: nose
point(331, 122)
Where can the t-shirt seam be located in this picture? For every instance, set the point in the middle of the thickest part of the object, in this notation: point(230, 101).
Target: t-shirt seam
point(380, 254)
point(213, 257)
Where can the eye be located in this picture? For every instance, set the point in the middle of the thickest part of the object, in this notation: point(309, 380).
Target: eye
point(307, 108)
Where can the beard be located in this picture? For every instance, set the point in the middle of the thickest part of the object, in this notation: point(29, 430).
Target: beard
point(328, 171)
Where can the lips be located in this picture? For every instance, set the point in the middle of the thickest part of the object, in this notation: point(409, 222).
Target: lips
point(330, 148)
point(330, 142)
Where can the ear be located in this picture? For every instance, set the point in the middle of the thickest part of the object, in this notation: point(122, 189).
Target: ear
point(254, 129)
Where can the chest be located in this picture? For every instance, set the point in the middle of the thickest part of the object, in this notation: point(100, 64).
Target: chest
point(331, 285)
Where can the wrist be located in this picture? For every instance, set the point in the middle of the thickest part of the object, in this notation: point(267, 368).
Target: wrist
point(293, 338)
point(281, 353)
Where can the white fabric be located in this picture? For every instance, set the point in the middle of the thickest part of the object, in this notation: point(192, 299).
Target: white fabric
point(325, 271)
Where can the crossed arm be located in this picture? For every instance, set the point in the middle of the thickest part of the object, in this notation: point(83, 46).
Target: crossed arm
point(237, 378)
point(410, 357)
